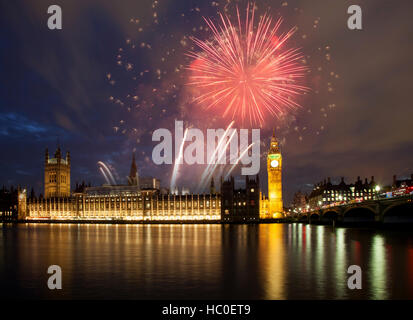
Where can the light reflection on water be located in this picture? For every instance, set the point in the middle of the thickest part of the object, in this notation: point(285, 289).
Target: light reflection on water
point(378, 268)
point(268, 261)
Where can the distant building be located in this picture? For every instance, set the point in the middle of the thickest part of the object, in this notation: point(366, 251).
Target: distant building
point(144, 199)
point(149, 183)
point(300, 200)
point(133, 178)
point(271, 207)
point(8, 204)
point(274, 170)
point(57, 175)
point(326, 193)
point(402, 183)
point(139, 200)
point(240, 205)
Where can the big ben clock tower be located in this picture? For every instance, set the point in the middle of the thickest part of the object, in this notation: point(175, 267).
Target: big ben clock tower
point(274, 168)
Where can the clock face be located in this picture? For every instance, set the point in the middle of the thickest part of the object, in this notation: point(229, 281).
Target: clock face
point(274, 163)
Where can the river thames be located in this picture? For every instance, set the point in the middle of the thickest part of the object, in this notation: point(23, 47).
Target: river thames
point(267, 261)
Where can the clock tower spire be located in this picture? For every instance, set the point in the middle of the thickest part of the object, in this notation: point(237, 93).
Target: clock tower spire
point(274, 170)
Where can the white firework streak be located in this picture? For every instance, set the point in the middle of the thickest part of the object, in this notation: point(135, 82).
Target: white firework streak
point(113, 181)
point(206, 171)
point(236, 163)
point(216, 164)
point(176, 165)
point(104, 175)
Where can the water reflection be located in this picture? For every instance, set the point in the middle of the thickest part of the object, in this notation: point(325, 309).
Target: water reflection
point(272, 260)
point(340, 263)
point(378, 268)
point(268, 261)
point(319, 256)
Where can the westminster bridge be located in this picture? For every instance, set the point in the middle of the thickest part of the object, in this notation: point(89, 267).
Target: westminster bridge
point(387, 210)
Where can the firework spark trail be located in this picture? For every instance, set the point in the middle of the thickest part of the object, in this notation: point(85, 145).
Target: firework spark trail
point(210, 162)
point(236, 163)
point(113, 181)
point(246, 73)
point(104, 175)
point(177, 161)
point(212, 170)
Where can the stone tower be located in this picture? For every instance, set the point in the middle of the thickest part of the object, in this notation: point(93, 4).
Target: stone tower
point(212, 187)
point(274, 170)
point(133, 178)
point(57, 175)
point(21, 204)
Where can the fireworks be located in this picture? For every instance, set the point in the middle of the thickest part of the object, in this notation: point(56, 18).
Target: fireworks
point(150, 88)
point(247, 73)
point(177, 163)
point(107, 173)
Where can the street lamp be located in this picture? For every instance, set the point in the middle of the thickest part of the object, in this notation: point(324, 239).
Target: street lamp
point(377, 189)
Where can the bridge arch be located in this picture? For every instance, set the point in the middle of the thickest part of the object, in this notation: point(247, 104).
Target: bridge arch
point(314, 216)
point(359, 214)
point(399, 213)
point(330, 215)
point(303, 218)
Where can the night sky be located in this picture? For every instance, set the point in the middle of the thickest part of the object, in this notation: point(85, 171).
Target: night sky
point(68, 86)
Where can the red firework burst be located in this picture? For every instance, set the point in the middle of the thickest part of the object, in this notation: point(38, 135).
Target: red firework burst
point(246, 71)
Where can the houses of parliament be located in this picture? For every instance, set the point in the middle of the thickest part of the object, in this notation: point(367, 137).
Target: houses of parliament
point(138, 201)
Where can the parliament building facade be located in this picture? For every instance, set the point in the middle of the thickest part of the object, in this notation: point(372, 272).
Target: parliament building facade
point(135, 202)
